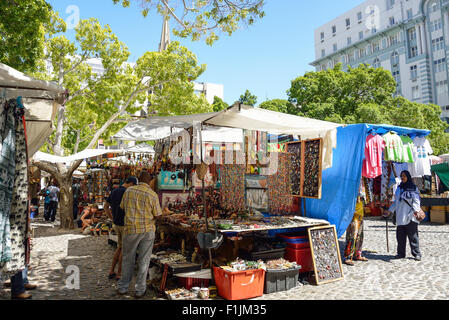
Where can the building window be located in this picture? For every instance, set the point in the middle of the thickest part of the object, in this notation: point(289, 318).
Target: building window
point(396, 76)
point(390, 4)
point(438, 44)
point(335, 47)
point(350, 57)
point(348, 40)
point(441, 87)
point(395, 58)
point(376, 63)
point(322, 36)
point(376, 46)
point(394, 39)
point(439, 65)
point(415, 92)
point(359, 17)
point(414, 72)
point(413, 51)
point(391, 21)
point(362, 52)
point(435, 25)
point(348, 23)
point(323, 52)
point(360, 35)
point(334, 30)
point(434, 7)
point(409, 13)
point(411, 34)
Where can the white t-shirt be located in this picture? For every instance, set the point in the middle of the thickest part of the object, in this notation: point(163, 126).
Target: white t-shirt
point(421, 151)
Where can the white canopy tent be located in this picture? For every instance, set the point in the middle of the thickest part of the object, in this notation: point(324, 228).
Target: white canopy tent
point(237, 117)
point(85, 154)
point(41, 100)
point(140, 148)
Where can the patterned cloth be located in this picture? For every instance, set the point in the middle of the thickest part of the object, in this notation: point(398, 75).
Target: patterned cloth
point(141, 205)
point(232, 187)
point(7, 171)
point(354, 234)
point(19, 206)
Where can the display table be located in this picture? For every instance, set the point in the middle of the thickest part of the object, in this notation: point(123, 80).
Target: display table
point(434, 201)
point(297, 222)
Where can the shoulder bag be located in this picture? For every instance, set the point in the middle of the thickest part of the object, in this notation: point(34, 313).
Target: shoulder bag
point(419, 215)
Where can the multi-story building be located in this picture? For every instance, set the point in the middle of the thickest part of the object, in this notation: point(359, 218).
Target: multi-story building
point(408, 37)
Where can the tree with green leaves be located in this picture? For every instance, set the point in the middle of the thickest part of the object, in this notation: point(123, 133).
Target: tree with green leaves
point(199, 19)
point(248, 98)
point(23, 25)
point(97, 104)
point(219, 104)
point(364, 95)
point(279, 105)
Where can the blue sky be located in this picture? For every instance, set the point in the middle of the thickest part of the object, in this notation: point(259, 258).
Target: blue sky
point(262, 58)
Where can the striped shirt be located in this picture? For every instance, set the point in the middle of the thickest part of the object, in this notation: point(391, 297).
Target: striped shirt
point(141, 205)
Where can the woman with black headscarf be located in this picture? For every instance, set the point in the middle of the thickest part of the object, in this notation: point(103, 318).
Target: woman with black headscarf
point(406, 202)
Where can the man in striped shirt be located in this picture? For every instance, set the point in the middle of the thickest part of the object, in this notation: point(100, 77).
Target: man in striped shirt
point(141, 206)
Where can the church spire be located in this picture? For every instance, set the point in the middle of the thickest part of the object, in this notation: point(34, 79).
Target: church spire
point(165, 36)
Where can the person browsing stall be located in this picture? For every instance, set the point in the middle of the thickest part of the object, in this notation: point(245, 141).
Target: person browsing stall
point(407, 201)
point(117, 214)
point(89, 216)
point(141, 206)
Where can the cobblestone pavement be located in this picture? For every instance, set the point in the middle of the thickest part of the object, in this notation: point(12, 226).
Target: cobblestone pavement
point(379, 278)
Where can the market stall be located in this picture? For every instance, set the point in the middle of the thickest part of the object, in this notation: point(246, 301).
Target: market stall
point(237, 204)
point(28, 109)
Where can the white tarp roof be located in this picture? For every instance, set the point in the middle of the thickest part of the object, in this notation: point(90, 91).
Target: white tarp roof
point(243, 117)
point(40, 98)
point(140, 148)
point(85, 154)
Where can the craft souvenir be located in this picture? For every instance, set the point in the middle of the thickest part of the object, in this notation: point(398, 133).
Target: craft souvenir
point(312, 162)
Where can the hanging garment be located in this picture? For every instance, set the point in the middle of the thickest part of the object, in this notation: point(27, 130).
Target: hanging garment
point(232, 189)
point(372, 165)
point(407, 155)
point(7, 172)
point(354, 234)
point(394, 148)
point(421, 152)
point(280, 200)
point(388, 181)
point(19, 205)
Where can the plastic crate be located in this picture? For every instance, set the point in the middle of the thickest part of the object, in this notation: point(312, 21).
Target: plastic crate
point(239, 285)
point(263, 255)
point(301, 245)
point(302, 257)
point(281, 280)
point(189, 283)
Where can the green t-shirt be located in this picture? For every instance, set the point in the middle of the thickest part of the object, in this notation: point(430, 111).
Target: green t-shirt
point(394, 147)
point(407, 155)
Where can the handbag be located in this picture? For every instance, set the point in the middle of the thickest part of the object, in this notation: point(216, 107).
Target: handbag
point(419, 215)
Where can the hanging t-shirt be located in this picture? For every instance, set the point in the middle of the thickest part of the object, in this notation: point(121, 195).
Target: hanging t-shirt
point(393, 147)
point(407, 155)
point(372, 166)
point(421, 151)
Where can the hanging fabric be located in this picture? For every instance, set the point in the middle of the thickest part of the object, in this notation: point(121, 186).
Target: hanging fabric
point(421, 152)
point(7, 172)
point(407, 155)
point(394, 147)
point(372, 165)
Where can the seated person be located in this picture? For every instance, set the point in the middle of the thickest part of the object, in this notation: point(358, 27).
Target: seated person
point(89, 216)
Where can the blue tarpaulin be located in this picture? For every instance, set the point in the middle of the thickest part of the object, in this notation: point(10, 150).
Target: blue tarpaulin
point(340, 184)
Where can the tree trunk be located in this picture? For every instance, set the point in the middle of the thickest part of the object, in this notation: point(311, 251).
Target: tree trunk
point(66, 204)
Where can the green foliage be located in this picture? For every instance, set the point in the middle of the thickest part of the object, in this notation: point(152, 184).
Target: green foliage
point(364, 95)
point(219, 104)
point(96, 101)
point(248, 98)
point(279, 105)
point(23, 25)
point(201, 18)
